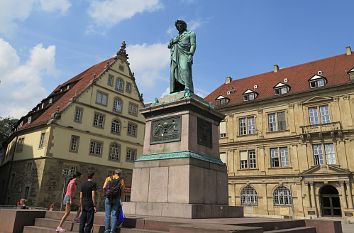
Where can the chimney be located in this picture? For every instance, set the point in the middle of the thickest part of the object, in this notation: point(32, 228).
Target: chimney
point(228, 80)
point(348, 50)
point(276, 68)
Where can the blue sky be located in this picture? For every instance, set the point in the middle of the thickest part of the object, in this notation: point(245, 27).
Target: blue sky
point(45, 42)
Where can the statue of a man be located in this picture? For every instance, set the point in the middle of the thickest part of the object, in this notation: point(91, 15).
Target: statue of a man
point(182, 50)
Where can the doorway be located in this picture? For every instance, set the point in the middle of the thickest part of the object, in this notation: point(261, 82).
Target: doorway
point(330, 202)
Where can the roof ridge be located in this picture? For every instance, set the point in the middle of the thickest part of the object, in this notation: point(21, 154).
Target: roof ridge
point(290, 67)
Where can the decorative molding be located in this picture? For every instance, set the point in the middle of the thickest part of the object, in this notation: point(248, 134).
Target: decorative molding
point(180, 155)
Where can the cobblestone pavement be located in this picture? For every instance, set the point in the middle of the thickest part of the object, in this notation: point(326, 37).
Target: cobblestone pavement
point(347, 228)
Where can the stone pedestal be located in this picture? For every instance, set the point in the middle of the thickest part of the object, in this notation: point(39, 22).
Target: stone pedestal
point(180, 173)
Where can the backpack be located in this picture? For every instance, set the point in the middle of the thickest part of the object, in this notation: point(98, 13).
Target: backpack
point(113, 189)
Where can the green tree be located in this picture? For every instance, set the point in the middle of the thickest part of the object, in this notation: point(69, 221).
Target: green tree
point(6, 126)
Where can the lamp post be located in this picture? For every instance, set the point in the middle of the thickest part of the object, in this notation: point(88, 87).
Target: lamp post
point(66, 174)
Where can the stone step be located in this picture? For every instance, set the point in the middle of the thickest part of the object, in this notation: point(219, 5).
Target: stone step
point(68, 225)
point(212, 228)
point(276, 225)
point(57, 215)
point(36, 229)
point(135, 230)
point(294, 230)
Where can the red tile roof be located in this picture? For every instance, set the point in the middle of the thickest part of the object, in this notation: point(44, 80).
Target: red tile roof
point(77, 85)
point(334, 69)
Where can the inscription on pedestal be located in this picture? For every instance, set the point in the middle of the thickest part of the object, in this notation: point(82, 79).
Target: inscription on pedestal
point(166, 130)
point(204, 133)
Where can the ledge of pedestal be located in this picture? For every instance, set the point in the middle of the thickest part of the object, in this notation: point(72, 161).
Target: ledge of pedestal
point(179, 210)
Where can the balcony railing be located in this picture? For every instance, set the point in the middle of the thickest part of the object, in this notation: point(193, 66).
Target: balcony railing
point(333, 128)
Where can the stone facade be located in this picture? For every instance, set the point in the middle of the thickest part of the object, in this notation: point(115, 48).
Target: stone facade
point(47, 189)
point(291, 154)
point(89, 123)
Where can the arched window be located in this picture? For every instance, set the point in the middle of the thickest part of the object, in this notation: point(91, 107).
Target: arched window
point(119, 85)
point(117, 105)
point(249, 196)
point(115, 127)
point(114, 152)
point(282, 196)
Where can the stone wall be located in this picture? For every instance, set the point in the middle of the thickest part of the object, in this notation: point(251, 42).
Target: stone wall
point(42, 179)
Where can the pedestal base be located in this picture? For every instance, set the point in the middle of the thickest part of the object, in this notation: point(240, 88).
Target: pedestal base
point(182, 210)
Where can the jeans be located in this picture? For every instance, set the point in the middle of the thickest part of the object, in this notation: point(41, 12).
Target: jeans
point(111, 206)
point(87, 217)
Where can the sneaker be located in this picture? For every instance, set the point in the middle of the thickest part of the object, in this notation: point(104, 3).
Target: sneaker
point(60, 229)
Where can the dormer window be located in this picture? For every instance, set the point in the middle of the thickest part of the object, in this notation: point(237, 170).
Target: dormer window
point(67, 87)
point(50, 100)
point(281, 89)
point(318, 80)
point(351, 74)
point(222, 100)
point(29, 119)
point(249, 95)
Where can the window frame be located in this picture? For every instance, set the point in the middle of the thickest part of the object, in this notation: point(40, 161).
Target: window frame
point(281, 199)
point(316, 113)
point(251, 162)
point(119, 126)
point(128, 87)
point(41, 141)
point(119, 85)
point(78, 117)
point(102, 94)
point(96, 143)
point(279, 156)
point(19, 144)
point(98, 125)
point(247, 129)
point(118, 149)
point(278, 125)
point(110, 81)
point(130, 124)
point(114, 109)
point(133, 109)
point(321, 155)
point(249, 196)
point(131, 159)
point(76, 149)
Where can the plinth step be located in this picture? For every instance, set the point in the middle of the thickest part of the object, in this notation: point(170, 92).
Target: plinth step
point(36, 229)
point(295, 230)
point(68, 225)
point(135, 230)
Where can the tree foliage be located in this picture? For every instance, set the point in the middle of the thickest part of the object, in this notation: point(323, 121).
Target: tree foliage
point(6, 127)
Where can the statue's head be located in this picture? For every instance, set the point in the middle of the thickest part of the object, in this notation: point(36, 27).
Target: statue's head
point(181, 25)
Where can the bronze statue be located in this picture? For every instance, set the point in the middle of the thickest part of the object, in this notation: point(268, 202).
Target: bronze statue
point(182, 50)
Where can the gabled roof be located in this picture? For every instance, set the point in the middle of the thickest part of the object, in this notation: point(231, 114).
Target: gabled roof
point(334, 69)
point(78, 84)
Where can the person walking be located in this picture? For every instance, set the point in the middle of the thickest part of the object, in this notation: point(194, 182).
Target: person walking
point(87, 204)
point(69, 195)
point(113, 187)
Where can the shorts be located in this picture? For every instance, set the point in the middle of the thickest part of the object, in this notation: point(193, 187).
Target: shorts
point(66, 200)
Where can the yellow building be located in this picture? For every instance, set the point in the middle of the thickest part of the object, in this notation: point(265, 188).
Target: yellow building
point(89, 123)
point(288, 139)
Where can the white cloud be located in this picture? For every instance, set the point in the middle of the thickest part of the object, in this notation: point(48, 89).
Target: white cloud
point(22, 83)
point(148, 62)
point(194, 24)
point(107, 13)
point(14, 11)
point(55, 5)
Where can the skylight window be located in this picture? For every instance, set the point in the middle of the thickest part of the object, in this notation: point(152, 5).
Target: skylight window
point(249, 95)
point(281, 89)
point(318, 80)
